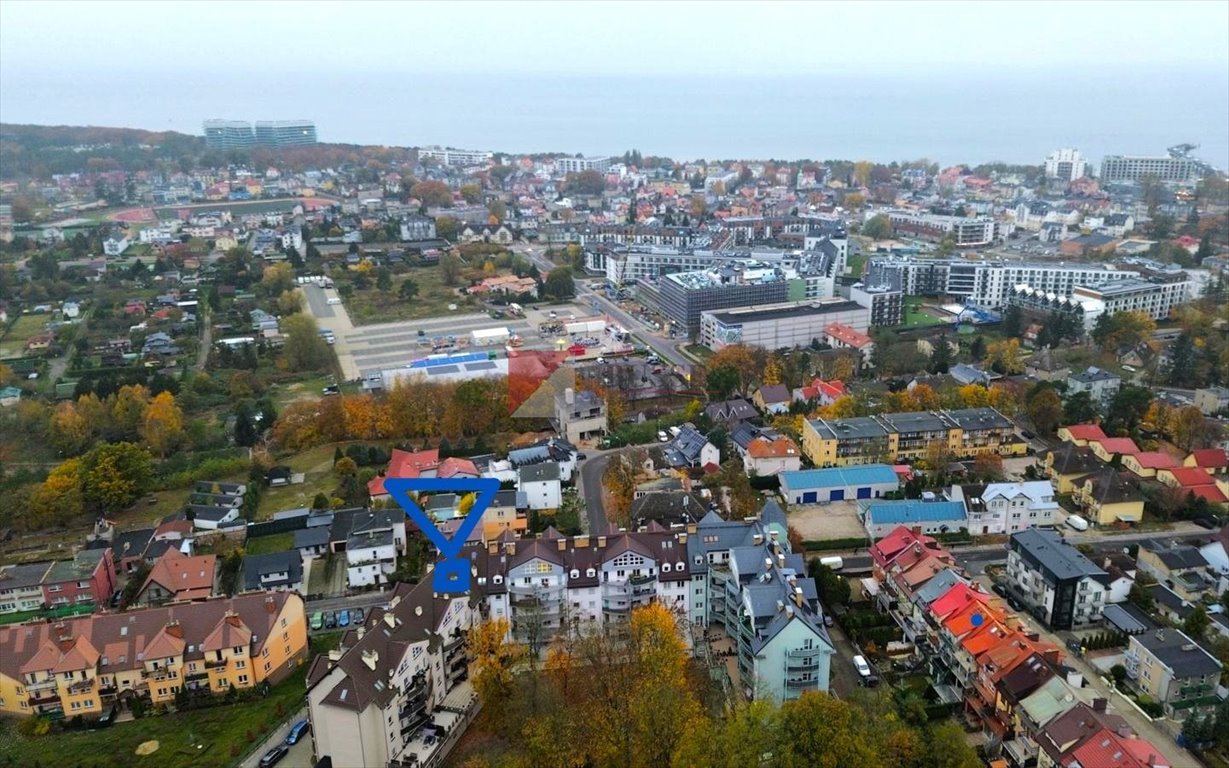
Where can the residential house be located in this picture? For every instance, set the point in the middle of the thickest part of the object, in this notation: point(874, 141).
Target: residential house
point(731, 413)
point(1008, 507)
point(820, 392)
point(1055, 580)
point(1068, 463)
point(541, 485)
point(405, 464)
point(817, 486)
point(1213, 460)
point(275, 571)
point(89, 664)
point(581, 415)
point(311, 542)
point(1211, 400)
point(21, 587)
point(1107, 448)
point(1195, 481)
point(772, 398)
point(372, 540)
point(1167, 604)
point(1081, 434)
point(1100, 384)
point(1043, 367)
point(1148, 463)
point(128, 549)
point(115, 245)
point(88, 578)
point(767, 456)
point(930, 517)
point(666, 508)
point(690, 448)
point(1107, 497)
point(177, 577)
point(507, 512)
point(1177, 565)
point(1174, 670)
point(1090, 735)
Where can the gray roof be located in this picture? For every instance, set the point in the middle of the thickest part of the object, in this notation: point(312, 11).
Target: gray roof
point(1180, 653)
point(772, 512)
point(1121, 619)
point(1174, 555)
point(210, 512)
point(937, 586)
point(1165, 596)
point(685, 448)
point(667, 508)
point(536, 473)
point(1057, 559)
point(311, 537)
point(22, 576)
point(1093, 374)
point(369, 539)
point(731, 410)
point(254, 566)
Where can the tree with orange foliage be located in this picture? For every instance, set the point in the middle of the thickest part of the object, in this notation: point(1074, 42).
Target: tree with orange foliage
point(162, 425)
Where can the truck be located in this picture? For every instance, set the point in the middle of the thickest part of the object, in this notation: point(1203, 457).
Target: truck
point(1077, 522)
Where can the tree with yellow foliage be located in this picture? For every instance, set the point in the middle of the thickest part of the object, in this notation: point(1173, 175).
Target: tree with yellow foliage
point(68, 430)
point(494, 666)
point(58, 499)
point(772, 372)
point(128, 411)
point(1005, 356)
point(162, 424)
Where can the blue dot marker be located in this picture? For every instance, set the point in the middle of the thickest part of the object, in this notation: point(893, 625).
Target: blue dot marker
point(977, 619)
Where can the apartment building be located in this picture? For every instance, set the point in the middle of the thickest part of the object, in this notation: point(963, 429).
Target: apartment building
point(898, 437)
point(780, 326)
point(83, 666)
point(886, 305)
point(455, 158)
point(1174, 670)
point(1132, 168)
point(1155, 297)
point(88, 578)
point(601, 164)
point(1061, 586)
point(228, 134)
point(984, 282)
point(683, 297)
point(404, 667)
point(968, 232)
point(996, 508)
point(1066, 165)
point(285, 133)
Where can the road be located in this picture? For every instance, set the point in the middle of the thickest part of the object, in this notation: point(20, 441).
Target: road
point(335, 318)
point(299, 756)
point(202, 355)
point(666, 349)
point(364, 601)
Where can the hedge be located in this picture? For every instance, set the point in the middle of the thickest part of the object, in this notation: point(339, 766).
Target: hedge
point(830, 545)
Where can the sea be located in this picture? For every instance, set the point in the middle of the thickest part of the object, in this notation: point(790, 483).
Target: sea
point(1013, 115)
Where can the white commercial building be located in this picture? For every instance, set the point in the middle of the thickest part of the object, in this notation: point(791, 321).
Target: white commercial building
point(1127, 168)
point(968, 232)
point(455, 157)
point(581, 164)
point(1066, 165)
point(780, 326)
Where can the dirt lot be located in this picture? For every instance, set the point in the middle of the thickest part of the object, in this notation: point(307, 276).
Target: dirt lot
point(820, 522)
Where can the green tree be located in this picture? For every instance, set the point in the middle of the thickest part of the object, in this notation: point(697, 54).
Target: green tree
point(1141, 598)
point(384, 279)
point(447, 227)
point(1182, 362)
point(941, 355)
point(1128, 407)
point(1079, 408)
point(408, 290)
point(471, 193)
point(877, 227)
point(1196, 623)
point(559, 284)
point(1045, 410)
point(498, 210)
point(450, 268)
point(1011, 322)
point(433, 194)
point(305, 349)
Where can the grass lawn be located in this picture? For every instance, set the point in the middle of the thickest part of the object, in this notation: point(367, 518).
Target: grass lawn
point(17, 618)
point(317, 465)
point(372, 305)
point(13, 342)
point(218, 728)
point(699, 351)
point(915, 317)
point(264, 545)
point(856, 263)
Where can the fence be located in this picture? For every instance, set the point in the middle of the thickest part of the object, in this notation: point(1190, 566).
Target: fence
point(263, 742)
point(270, 527)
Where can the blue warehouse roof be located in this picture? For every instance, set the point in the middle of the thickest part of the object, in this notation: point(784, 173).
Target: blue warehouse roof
point(913, 511)
point(839, 477)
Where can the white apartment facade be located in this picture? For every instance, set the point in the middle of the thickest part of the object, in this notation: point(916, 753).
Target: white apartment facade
point(1066, 165)
point(580, 164)
point(998, 508)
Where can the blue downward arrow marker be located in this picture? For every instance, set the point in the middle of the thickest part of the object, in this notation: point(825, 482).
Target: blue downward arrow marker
point(452, 573)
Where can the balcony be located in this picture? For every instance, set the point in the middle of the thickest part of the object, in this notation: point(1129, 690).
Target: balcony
point(196, 676)
point(82, 686)
point(215, 663)
point(616, 609)
point(43, 697)
point(795, 684)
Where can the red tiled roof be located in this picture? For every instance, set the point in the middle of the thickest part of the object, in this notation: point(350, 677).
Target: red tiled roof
point(1210, 457)
point(1155, 460)
point(1191, 477)
point(1123, 445)
point(847, 335)
point(1086, 431)
point(1209, 493)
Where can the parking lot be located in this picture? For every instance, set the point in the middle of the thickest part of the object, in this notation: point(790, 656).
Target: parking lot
point(371, 348)
point(821, 522)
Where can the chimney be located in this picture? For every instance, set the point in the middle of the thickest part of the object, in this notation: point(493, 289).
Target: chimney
point(1099, 704)
point(758, 539)
point(361, 631)
point(569, 396)
point(563, 545)
point(682, 538)
point(780, 606)
point(390, 620)
point(780, 560)
point(916, 530)
point(492, 548)
point(394, 602)
point(798, 596)
point(334, 655)
point(601, 542)
point(773, 534)
point(371, 658)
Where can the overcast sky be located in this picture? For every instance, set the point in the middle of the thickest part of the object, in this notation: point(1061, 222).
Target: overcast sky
point(958, 80)
point(251, 39)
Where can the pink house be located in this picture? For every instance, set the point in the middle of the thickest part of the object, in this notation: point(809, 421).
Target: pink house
point(88, 578)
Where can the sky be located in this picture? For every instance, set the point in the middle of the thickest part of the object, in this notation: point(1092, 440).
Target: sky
point(161, 65)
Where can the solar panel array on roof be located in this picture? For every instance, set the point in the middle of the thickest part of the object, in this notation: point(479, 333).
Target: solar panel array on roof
point(442, 369)
point(485, 365)
point(431, 362)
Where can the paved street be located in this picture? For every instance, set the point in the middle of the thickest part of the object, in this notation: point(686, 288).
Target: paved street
point(364, 601)
point(300, 755)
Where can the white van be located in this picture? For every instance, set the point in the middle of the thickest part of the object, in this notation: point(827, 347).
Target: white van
point(1077, 522)
point(835, 562)
point(864, 669)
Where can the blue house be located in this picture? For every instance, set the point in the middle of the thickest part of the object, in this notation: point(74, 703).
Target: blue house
point(817, 486)
point(882, 517)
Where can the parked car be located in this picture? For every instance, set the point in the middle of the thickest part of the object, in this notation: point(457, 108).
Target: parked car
point(357, 618)
point(662, 437)
point(334, 300)
point(864, 669)
point(298, 731)
point(317, 620)
point(999, 590)
point(274, 756)
point(581, 457)
point(343, 618)
point(330, 620)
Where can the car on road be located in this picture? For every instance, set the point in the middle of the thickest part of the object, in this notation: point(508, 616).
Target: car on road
point(343, 618)
point(317, 620)
point(334, 300)
point(999, 590)
point(274, 756)
point(297, 731)
point(864, 669)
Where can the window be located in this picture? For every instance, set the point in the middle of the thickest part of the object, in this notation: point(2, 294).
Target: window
point(243, 679)
point(240, 664)
point(268, 667)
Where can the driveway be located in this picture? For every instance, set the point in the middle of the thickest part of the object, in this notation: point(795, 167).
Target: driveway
point(300, 755)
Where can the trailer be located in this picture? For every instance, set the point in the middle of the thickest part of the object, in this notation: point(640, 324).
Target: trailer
point(490, 336)
point(586, 327)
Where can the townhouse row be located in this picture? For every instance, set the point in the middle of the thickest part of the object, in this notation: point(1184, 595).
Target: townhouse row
point(902, 437)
